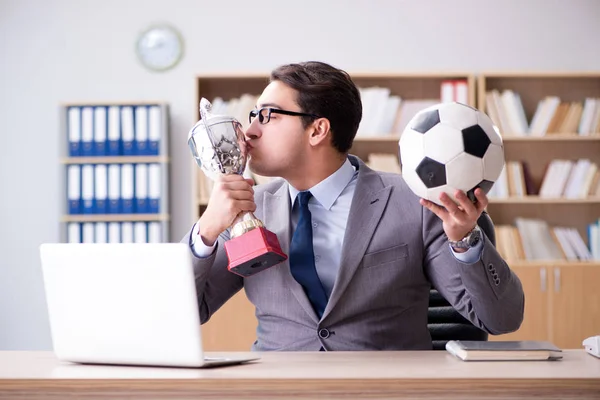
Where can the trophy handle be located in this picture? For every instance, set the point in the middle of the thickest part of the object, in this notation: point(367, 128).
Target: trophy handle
point(245, 222)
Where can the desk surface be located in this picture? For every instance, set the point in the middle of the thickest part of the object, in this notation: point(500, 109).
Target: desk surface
point(420, 374)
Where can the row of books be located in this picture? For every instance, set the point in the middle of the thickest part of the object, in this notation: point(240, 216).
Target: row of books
point(114, 188)
point(384, 113)
point(552, 115)
point(534, 239)
point(571, 179)
point(114, 130)
point(115, 232)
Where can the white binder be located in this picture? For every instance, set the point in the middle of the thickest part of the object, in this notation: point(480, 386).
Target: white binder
point(87, 232)
point(127, 188)
point(126, 232)
point(101, 234)
point(141, 188)
point(114, 232)
point(87, 188)
point(154, 188)
point(114, 188)
point(100, 131)
point(74, 232)
point(140, 233)
point(74, 188)
point(154, 232)
point(74, 126)
point(101, 189)
point(141, 131)
point(114, 131)
point(154, 129)
point(87, 131)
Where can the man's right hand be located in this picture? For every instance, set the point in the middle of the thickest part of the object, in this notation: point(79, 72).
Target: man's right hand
point(231, 195)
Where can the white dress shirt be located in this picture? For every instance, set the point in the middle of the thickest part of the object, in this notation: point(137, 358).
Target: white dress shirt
point(329, 207)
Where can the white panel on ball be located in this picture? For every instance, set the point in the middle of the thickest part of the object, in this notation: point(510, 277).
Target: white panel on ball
point(443, 143)
point(414, 182)
point(412, 141)
point(457, 115)
point(433, 194)
point(493, 161)
point(490, 129)
point(464, 172)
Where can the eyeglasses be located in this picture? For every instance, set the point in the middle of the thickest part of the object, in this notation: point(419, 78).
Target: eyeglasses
point(264, 114)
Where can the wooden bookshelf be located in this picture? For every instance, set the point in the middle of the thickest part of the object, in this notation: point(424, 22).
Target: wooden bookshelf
point(539, 151)
point(562, 300)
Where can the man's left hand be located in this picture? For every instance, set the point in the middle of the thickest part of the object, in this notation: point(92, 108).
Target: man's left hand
point(459, 219)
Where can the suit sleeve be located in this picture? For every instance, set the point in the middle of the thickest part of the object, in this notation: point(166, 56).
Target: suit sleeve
point(215, 284)
point(486, 292)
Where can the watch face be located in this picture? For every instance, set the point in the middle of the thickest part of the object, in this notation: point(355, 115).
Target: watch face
point(159, 48)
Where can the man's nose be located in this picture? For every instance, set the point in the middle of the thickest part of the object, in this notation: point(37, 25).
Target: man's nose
point(253, 130)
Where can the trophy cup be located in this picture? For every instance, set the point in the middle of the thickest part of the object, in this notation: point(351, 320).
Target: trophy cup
point(218, 145)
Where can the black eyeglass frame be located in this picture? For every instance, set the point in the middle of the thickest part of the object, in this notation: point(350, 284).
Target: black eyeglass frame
point(258, 113)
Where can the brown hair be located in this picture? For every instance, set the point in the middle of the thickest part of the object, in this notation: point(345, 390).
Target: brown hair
point(328, 92)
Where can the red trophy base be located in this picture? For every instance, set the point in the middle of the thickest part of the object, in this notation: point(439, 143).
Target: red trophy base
point(254, 251)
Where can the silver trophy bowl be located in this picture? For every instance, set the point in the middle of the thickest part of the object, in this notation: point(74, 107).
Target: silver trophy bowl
point(217, 143)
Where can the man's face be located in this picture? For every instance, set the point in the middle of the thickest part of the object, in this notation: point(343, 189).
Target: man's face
point(276, 147)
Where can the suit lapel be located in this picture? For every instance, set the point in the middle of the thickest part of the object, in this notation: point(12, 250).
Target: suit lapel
point(370, 200)
point(276, 211)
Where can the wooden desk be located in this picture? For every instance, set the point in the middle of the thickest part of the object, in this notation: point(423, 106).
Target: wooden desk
point(373, 375)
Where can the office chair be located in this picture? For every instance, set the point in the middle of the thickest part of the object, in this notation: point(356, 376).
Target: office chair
point(443, 321)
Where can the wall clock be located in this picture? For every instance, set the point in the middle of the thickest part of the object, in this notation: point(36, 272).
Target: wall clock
point(159, 48)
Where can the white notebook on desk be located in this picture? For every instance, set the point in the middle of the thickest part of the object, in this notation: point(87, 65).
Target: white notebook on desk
point(531, 350)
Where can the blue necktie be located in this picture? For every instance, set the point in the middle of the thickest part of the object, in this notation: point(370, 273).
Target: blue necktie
point(302, 257)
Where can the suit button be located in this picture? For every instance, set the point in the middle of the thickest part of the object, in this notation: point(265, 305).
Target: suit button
point(323, 333)
point(490, 267)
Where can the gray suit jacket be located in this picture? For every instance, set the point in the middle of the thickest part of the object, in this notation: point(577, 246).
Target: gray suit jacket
point(394, 250)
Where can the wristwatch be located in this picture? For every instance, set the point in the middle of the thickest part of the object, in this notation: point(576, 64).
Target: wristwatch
point(470, 240)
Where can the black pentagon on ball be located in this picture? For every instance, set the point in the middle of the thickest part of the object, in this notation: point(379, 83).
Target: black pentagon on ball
point(425, 121)
point(485, 185)
point(475, 140)
point(431, 172)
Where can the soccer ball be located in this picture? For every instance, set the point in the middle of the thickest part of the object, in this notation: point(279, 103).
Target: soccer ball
point(450, 146)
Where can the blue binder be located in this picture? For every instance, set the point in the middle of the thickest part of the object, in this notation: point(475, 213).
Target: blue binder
point(100, 131)
point(87, 131)
point(74, 189)
point(114, 189)
point(74, 128)
point(114, 131)
point(100, 189)
point(127, 189)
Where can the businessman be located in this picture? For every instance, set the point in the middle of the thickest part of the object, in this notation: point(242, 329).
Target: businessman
point(363, 249)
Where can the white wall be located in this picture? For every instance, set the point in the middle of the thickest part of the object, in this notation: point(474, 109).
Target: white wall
point(65, 50)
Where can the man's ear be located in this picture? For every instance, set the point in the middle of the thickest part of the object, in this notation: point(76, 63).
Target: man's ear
point(320, 131)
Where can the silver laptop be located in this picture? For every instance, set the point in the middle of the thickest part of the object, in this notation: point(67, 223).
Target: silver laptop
point(125, 304)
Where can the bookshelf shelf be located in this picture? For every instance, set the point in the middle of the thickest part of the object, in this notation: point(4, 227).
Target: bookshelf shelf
point(115, 217)
point(552, 137)
point(534, 200)
point(367, 139)
point(552, 263)
point(114, 160)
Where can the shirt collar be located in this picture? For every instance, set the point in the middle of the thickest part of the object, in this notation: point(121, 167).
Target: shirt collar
point(329, 189)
